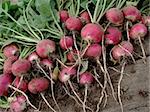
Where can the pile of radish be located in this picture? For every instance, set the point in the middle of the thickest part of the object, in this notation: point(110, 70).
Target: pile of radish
point(85, 40)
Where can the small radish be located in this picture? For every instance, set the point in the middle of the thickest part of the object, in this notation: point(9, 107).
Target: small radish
point(92, 32)
point(93, 51)
point(5, 80)
point(63, 14)
point(86, 78)
point(115, 16)
point(47, 62)
point(125, 48)
point(45, 47)
point(72, 55)
point(33, 57)
point(11, 50)
point(139, 31)
point(85, 17)
point(18, 104)
point(66, 42)
point(73, 24)
point(38, 85)
point(146, 20)
point(132, 13)
point(7, 67)
point(66, 73)
point(23, 84)
point(20, 67)
point(113, 35)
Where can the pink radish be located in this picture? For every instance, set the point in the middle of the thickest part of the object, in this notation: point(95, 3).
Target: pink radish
point(18, 104)
point(5, 80)
point(66, 42)
point(33, 57)
point(38, 85)
point(66, 73)
point(7, 67)
point(86, 78)
point(11, 50)
point(72, 55)
point(146, 20)
point(73, 24)
point(63, 14)
point(85, 17)
point(139, 31)
point(92, 32)
point(125, 48)
point(115, 16)
point(47, 62)
point(94, 51)
point(20, 67)
point(113, 35)
point(132, 13)
point(45, 47)
point(23, 85)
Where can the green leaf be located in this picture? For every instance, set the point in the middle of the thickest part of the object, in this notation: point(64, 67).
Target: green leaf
point(84, 66)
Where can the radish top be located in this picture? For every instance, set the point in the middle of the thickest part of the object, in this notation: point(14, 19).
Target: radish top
point(63, 14)
point(85, 17)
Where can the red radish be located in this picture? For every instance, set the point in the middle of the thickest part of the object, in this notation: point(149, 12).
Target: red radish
point(33, 57)
point(86, 78)
point(115, 16)
point(7, 67)
point(18, 105)
point(63, 14)
point(47, 63)
point(5, 80)
point(23, 84)
point(85, 17)
point(93, 32)
point(66, 42)
point(38, 85)
point(66, 73)
point(45, 47)
point(20, 67)
point(138, 30)
point(124, 49)
point(73, 24)
point(11, 50)
point(72, 55)
point(113, 35)
point(132, 13)
point(93, 51)
point(146, 20)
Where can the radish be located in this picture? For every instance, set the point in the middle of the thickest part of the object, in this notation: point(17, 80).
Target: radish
point(66, 73)
point(45, 47)
point(86, 78)
point(125, 48)
point(66, 42)
point(47, 62)
point(63, 15)
point(33, 57)
point(94, 51)
point(73, 24)
point(115, 16)
point(113, 35)
point(18, 104)
point(20, 67)
point(132, 13)
point(5, 80)
point(11, 50)
point(85, 17)
point(7, 67)
point(139, 31)
point(92, 32)
point(146, 20)
point(72, 55)
point(21, 84)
